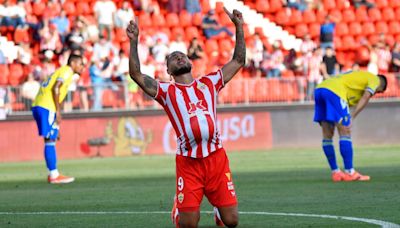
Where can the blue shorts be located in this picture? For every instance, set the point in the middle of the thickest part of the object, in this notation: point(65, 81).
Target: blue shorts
point(46, 122)
point(330, 108)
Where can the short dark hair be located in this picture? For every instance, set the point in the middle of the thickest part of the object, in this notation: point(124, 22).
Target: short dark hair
point(384, 80)
point(73, 57)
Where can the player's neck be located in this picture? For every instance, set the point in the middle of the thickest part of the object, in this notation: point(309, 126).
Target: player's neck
point(184, 79)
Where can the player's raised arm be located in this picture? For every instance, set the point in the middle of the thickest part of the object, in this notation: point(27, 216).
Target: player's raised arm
point(239, 55)
point(147, 83)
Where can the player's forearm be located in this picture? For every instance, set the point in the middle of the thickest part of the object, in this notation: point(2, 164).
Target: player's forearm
point(239, 55)
point(361, 105)
point(134, 63)
point(56, 98)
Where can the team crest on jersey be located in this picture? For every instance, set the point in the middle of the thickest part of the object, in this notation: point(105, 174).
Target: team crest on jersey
point(180, 197)
point(201, 86)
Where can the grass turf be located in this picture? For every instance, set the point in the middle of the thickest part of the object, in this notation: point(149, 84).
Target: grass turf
point(289, 181)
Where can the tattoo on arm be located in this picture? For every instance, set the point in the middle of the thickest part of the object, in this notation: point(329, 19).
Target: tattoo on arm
point(240, 46)
point(150, 83)
point(134, 63)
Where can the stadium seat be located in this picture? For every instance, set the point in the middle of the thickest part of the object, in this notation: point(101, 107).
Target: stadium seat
point(368, 28)
point(314, 30)
point(16, 74)
point(355, 28)
point(83, 8)
point(397, 13)
point(211, 46)
point(172, 20)
point(219, 7)
point(282, 17)
point(394, 3)
point(348, 43)
point(262, 6)
point(321, 15)
point(185, 19)
point(342, 4)
point(109, 99)
point(362, 14)
point(381, 3)
point(309, 17)
point(301, 30)
point(348, 15)
point(4, 74)
point(225, 45)
point(21, 35)
point(342, 29)
point(275, 6)
point(337, 43)
point(39, 8)
point(197, 19)
point(381, 27)
point(224, 19)
point(158, 20)
point(145, 21)
point(191, 32)
point(374, 14)
point(388, 14)
point(336, 14)
point(394, 27)
point(295, 17)
point(329, 4)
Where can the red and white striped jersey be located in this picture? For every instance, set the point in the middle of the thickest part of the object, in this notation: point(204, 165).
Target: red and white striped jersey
point(192, 111)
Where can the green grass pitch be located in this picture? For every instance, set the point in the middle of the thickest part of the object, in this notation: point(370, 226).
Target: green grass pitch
point(276, 181)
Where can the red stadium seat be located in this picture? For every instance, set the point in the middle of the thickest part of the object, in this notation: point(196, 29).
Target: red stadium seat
point(368, 28)
point(329, 4)
point(374, 14)
point(262, 6)
point(275, 5)
point(21, 35)
point(342, 4)
point(394, 3)
point(381, 3)
point(381, 27)
point(69, 8)
point(219, 7)
point(314, 30)
point(321, 15)
point(83, 8)
point(282, 17)
point(4, 74)
point(301, 30)
point(211, 46)
point(388, 14)
point(295, 18)
point(397, 13)
point(348, 43)
point(109, 99)
point(205, 6)
point(348, 15)
point(309, 16)
point(197, 19)
point(394, 27)
point(185, 19)
point(225, 45)
point(172, 19)
point(16, 74)
point(144, 21)
point(342, 29)
point(355, 28)
point(191, 32)
point(336, 14)
point(337, 43)
point(224, 19)
point(38, 8)
point(158, 20)
point(362, 14)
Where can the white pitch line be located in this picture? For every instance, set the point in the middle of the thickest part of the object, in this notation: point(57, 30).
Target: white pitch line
point(381, 223)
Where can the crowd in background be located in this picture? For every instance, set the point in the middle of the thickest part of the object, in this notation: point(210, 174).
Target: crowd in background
point(55, 37)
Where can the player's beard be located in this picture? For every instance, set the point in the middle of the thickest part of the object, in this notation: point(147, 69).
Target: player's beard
point(187, 68)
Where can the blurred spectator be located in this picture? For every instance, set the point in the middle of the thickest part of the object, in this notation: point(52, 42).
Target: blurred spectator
point(290, 60)
point(104, 11)
point(195, 51)
point(99, 73)
point(256, 50)
point(396, 58)
point(53, 9)
point(160, 35)
point(121, 66)
point(326, 33)
point(24, 53)
point(5, 106)
point(75, 40)
point(103, 48)
point(276, 61)
point(329, 65)
point(358, 3)
point(160, 51)
point(314, 75)
point(211, 27)
point(3, 58)
point(384, 57)
point(62, 25)
point(178, 44)
point(50, 39)
point(48, 67)
point(145, 42)
point(147, 6)
point(11, 14)
point(30, 88)
point(300, 5)
point(176, 6)
point(193, 6)
point(306, 48)
point(67, 105)
point(124, 15)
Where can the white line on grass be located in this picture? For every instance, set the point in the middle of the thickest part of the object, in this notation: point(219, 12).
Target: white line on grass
point(381, 223)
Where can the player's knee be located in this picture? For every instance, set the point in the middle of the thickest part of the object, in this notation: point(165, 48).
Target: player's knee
point(231, 221)
point(188, 223)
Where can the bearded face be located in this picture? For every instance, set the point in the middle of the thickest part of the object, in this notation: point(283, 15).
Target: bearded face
point(178, 63)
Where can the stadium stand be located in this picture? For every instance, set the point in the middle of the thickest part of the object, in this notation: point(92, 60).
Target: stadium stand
point(274, 22)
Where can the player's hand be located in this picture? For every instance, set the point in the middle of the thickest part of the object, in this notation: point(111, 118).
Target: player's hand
point(132, 30)
point(58, 118)
point(236, 16)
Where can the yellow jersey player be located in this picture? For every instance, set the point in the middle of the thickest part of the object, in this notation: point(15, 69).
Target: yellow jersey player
point(46, 110)
point(333, 97)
